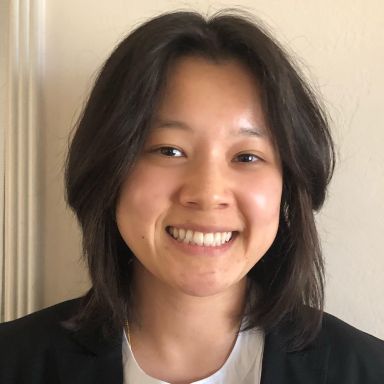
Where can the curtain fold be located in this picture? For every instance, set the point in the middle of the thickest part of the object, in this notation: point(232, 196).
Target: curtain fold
point(21, 263)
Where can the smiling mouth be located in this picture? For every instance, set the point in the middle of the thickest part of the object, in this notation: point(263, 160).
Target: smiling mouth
point(212, 239)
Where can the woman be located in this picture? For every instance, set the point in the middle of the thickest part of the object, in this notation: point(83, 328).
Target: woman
point(194, 172)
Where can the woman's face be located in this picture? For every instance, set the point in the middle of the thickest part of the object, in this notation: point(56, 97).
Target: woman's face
point(201, 206)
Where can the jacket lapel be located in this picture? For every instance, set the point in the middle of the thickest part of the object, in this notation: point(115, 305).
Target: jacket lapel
point(85, 358)
point(283, 367)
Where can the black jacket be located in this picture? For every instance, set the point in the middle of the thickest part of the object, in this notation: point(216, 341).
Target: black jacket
point(37, 349)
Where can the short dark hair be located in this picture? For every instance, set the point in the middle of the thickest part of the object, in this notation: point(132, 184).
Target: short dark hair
point(113, 128)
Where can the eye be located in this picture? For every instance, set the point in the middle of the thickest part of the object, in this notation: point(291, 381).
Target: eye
point(168, 151)
point(247, 158)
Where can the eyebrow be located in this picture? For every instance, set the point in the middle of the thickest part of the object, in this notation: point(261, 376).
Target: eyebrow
point(243, 131)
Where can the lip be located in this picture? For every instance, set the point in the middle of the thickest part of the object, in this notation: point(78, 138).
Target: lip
point(198, 250)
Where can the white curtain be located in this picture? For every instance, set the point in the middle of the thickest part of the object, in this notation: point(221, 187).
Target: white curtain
point(21, 33)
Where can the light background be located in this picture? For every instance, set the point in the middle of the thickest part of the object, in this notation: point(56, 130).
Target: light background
point(340, 47)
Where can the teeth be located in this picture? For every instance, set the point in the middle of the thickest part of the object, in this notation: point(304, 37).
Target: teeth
point(189, 236)
point(217, 238)
point(208, 239)
point(199, 238)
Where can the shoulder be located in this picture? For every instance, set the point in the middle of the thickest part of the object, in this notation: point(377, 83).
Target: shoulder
point(343, 336)
point(355, 353)
point(339, 354)
point(27, 343)
point(38, 325)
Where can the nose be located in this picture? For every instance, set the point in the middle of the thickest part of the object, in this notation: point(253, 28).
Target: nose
point(206, 186)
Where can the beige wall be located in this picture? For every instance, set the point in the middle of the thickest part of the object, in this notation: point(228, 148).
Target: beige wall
point(341, 46)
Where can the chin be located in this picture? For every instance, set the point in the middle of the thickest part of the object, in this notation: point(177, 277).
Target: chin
point(204, 288)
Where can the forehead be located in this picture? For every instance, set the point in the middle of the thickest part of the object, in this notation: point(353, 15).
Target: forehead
point(201, 92)
point(195, 73)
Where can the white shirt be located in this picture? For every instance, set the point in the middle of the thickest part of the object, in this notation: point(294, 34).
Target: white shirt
point(243, 365)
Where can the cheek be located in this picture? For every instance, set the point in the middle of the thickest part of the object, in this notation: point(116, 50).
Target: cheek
point(136, 211)
point(263, 197)
point(144, 196)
